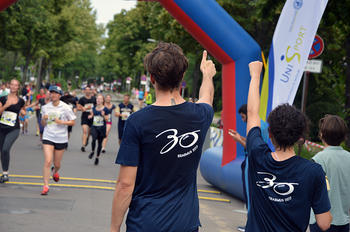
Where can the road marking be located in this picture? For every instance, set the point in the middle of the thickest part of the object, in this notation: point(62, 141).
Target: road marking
point(100, 187)
point(240, 211)
point(93, 180)
point(66, 178)
point(63, 185)
point(208, 191)
point(214, 199)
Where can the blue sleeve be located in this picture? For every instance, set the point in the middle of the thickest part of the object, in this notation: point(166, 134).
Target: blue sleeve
point(129, 151)
point(255, 143)
point(320, 201)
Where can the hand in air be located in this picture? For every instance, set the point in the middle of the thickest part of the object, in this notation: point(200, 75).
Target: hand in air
point(207, 66)
point(255, 68)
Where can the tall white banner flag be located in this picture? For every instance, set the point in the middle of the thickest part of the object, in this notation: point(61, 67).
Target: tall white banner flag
point(291, 45)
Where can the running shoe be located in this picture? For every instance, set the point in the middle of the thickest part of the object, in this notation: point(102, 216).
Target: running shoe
point(91, 155)
point(96, 161)
point(45, 190)
point(55, 176)
point(82, 149)
point(103, 150)
point(241, 228)
point(4, 178)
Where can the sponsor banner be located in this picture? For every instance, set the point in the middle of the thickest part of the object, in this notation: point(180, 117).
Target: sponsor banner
point(291, 44)
point(216, 137)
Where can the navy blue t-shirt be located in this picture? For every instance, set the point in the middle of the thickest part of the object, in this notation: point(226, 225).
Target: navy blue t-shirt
point(98, 119)
point(109, 112)
point(281, 193)
point(125, 111)
point(165, 143)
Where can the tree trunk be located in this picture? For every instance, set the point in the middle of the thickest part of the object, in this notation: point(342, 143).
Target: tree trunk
point(347, 87)
point(40, 72)
point(14, 63)
point(25, 69)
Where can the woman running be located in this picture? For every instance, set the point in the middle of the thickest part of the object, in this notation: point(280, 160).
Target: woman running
point(10, 107)
point(56, 117)
point(110, 107)
point(98, 129)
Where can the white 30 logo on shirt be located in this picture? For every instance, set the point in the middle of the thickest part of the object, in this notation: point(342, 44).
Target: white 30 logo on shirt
point(178, 139)
point(281, 188)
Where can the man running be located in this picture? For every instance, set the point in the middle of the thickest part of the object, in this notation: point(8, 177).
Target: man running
point(70, 100)
point(10, 108)
point(161, 149)
point(123, 111)
point(85, 106)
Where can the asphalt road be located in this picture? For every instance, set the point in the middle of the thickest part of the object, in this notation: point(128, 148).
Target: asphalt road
point(82, 199)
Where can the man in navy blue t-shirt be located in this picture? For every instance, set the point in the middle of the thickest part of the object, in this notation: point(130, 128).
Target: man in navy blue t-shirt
point(282, 187)
point(161, 149)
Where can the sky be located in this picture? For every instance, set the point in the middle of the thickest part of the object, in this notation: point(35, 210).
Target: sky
point(106, 9)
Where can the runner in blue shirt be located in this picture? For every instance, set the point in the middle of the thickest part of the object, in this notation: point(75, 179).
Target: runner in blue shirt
point(281, 187)
point(161, 149)
point(123, 111)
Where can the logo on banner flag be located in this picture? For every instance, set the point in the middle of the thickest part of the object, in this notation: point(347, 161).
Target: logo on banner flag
point(291, 44)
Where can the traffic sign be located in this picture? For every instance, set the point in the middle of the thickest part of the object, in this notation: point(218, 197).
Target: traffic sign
point(314, 66)
point(317, 47)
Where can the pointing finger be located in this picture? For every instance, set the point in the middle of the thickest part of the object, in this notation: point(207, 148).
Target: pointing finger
point(204, 57)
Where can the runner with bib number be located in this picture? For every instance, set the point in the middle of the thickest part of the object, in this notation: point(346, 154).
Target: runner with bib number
point(10, 107)
point(123, 111)
point(99, 115)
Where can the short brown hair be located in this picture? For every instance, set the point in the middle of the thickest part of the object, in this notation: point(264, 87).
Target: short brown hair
point(167, 64)
point(333, 129)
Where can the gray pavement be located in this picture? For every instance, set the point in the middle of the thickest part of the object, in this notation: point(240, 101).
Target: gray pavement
point(77, 207)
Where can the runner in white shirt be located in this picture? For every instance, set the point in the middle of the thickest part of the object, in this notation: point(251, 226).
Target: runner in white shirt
point(56, 117)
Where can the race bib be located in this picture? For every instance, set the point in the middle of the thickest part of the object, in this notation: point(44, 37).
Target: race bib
point(109, 118)
point(88, 105)
point(125, 115)
point(98, 121)
point(52, 117)
point(8, 118)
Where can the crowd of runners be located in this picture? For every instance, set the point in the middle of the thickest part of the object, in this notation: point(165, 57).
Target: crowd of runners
point(55, 115)
point(161, 145)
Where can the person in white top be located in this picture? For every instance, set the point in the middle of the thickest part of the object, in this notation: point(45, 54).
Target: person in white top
point(56, 117)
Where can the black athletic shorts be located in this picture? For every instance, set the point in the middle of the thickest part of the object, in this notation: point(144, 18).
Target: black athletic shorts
point(58, 146)
point(86, 121)
point(70, 129)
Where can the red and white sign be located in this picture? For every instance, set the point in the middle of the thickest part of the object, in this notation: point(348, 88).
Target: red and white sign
point(317, 47)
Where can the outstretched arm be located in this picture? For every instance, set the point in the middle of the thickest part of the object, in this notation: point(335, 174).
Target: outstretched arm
point(253, 119)
point(206, 92)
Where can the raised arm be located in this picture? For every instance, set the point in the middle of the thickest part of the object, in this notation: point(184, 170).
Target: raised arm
point(253, 119)
point(206, 92)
